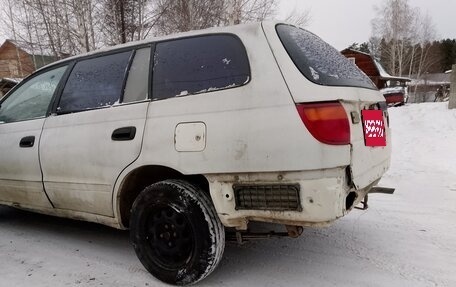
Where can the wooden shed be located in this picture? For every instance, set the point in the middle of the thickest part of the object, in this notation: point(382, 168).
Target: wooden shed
point(17, 61)
point(373, 69)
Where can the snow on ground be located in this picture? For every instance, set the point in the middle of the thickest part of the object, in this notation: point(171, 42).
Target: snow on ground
point(405, 239)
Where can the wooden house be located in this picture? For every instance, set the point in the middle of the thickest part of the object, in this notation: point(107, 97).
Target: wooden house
point(373, 69)
point(17, 61)
point(394, 88)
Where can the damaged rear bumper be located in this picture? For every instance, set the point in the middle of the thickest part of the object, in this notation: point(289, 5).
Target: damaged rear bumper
point(305, 198)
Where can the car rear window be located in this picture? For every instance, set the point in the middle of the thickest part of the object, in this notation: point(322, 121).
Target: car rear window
point(199, 65)
point(320, 62)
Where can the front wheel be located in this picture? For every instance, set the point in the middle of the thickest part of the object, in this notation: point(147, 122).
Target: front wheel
point(176, 232)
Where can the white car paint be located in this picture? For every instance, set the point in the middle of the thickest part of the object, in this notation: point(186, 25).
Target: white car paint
point(20, 173)
point(190, 137)
point(79, 160)
point(252, 134)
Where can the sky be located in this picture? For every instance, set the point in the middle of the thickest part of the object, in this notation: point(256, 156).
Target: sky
point(343, 22)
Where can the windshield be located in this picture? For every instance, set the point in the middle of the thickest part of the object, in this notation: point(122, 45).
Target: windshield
point(318, 61)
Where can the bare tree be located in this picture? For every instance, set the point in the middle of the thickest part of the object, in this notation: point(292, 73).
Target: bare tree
point(13, 30)
point(186, 15)
point(57, 27)
point(403, 40)
point(426, 34)
point(394, 24)
point(298, 17)
point(126, 21)
point(65, 27)
point(256, 10)
point(242, 11)
point(402, 37)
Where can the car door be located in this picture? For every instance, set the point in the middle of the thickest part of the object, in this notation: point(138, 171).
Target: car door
point(96, 130)
point(22, 114)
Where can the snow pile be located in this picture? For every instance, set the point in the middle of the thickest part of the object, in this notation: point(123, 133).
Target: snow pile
point(424, 140)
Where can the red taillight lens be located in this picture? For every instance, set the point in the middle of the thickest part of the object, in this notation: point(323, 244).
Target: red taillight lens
point(327, 122)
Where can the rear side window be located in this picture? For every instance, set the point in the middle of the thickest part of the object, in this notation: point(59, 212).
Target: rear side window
point(318, 61)
point(136, 88)
point(95, 83)
point(199, 65)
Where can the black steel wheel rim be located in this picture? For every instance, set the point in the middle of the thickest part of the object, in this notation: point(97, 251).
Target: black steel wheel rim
point(170, 237)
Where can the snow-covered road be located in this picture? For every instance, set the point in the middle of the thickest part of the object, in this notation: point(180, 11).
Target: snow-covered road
point(407, 239)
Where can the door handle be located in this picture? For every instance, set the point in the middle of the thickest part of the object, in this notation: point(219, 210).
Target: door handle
point(124, 134)
point(27, 141)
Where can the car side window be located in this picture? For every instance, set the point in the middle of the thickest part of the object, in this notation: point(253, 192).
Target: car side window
point(137, 86)
point(32, 99)
point(198, 65)
point(95, 83)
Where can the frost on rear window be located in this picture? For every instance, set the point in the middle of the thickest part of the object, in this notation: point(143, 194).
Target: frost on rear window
point(318, 61)
point(94, 83)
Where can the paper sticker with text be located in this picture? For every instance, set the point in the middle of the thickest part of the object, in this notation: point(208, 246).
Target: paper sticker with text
point(374, 128)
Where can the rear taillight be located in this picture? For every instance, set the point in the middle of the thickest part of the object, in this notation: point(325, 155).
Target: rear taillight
point(327, 122)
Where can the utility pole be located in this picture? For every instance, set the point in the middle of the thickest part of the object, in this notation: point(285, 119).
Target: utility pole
point(452, 102)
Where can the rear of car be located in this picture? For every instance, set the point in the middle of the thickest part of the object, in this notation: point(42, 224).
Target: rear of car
point(258, 122)
point(395, 96)
point(339, 100)
point(339, 150)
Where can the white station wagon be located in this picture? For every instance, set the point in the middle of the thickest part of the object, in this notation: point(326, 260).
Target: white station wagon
point(181, 137)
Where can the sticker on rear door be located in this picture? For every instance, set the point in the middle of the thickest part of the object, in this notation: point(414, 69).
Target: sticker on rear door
point(374, 128)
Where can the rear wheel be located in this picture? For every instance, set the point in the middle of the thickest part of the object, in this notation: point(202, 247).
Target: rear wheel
point(176, 232)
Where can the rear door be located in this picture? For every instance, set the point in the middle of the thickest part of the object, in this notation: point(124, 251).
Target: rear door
point(22, 114)
point(315, 72)
point(96, 130)
point(370, 141)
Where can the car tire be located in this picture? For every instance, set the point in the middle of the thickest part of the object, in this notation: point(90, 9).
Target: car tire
point(176, 232)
